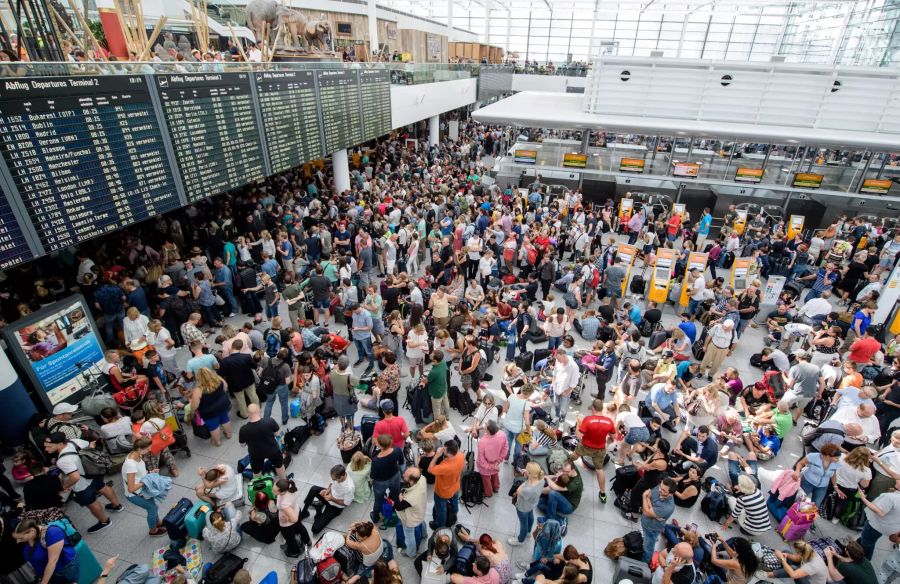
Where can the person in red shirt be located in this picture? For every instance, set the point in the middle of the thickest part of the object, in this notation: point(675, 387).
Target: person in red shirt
point(672, 227)
point(336, 343)
point(593, 433)
point(864, 348)
point(391, 424)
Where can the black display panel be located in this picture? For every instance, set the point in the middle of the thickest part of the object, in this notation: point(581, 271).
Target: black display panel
point(287, 101)
point(339, 104)
point(213, 128)
point(13, 248)
point(375, 96)
point(86, 154)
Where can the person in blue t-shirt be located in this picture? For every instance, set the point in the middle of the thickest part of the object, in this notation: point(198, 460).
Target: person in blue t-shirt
point(53, 558)
point(688, 326)
point(685, 372)
point(765, 442)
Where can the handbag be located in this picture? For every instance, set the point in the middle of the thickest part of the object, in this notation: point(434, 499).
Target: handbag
point(524, 437)
point(161, 439)
point(218, 299)
point(97, 402)
point(693, 405)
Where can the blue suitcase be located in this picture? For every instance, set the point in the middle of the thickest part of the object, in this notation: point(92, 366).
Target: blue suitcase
point(89, 569)
point(195, 520)
point(174, 520)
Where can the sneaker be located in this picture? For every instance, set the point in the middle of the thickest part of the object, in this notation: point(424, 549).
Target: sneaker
point(602, 497)
point(835, 520)
point(514, 541)
point(100, 526)
point(284, 548)
point(358, 363)
point(114, 508)
point(158, 532)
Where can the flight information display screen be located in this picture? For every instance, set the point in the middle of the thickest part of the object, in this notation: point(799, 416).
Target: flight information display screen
point(375, 95)
point(287, 101)
point(214, 132)
point(339, 104)
point(86, 155)
point(13, 248)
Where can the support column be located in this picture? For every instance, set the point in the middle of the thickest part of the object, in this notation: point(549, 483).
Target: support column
point(372, 14)
point(434, 130)
point(340, 165)
point(450, 20)
point(487, 22)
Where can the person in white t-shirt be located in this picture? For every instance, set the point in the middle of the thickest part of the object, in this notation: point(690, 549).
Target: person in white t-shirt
point(697, 288)
point(851, 476)
point(133, 472)
point(330, 501)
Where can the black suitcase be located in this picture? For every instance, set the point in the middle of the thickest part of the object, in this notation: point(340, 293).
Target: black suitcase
point(224, 569)
point(295, 438)
point(656, 339)
point(541, 354)
point(525, 361)
point(367, 427)
point(174, 520)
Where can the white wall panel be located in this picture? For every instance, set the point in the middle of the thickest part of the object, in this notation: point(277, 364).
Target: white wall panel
point(411, 103)
point(770, 94)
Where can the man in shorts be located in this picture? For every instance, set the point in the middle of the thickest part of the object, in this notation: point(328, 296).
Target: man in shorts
point(258, 435)
point(85, 489)
point(593, 433)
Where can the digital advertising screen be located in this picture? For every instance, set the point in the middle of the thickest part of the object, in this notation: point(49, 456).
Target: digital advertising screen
point(54, 345)
point(575, 160)
point(876, 186)
point(686, 169)
point(525, 156)
point(806, 180)
point(631, 165)
point(748, 175)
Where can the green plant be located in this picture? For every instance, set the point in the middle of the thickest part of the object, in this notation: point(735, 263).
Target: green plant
point(97, 30)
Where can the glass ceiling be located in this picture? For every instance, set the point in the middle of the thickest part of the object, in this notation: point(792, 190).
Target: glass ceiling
point(848, 32)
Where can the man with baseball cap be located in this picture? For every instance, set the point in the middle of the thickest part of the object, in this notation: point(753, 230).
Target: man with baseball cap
point(84, 489)
point(62, 421)
point(391, 424)
point(720, 343)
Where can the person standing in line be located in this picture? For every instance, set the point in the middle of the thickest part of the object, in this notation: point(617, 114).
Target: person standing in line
point(446, 467)
point(526, 500)
point(492, 451)
point(437, 385)
point(362, 335)
point(411, 505)
point(565, 378)
point(258, 435)
point(720, 343)
point(133, 472)
point(593, 434)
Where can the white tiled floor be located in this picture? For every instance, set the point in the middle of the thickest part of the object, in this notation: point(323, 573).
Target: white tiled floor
point(591, 528)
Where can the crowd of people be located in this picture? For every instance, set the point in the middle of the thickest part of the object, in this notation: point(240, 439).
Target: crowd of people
point(463, 335)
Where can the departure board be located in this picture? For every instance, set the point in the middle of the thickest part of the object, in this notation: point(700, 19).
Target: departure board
point(85, 153)
point(213, 127)
point(339, 104)
point(375, 95)
point(287, 101)
point(13, 247)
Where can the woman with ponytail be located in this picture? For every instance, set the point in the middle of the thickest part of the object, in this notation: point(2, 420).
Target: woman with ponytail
point(287, 500)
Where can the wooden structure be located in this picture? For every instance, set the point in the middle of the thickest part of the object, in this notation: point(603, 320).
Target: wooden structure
point(476, 52)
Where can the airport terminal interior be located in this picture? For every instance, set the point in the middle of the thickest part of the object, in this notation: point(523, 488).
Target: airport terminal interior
point(469, 291)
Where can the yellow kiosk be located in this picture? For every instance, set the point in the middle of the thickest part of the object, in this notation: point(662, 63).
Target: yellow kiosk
point(626, 208)
point(740, 222)
point(795, 226)
point(626, 253)
point(695, 260)
point(740, 274)
point(662, 275)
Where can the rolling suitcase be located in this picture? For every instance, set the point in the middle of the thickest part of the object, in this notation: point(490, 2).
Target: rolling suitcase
point(631, 571)
point(174, 520)
point(89, 568)
point(260, 484)
point(367, 427)
point(195, 520)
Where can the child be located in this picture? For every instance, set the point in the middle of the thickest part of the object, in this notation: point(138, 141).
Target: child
point(360, 465)
point(157, 376)
point(21, 463)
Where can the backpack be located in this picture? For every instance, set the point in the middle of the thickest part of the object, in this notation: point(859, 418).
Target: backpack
point(94, 462)
point(811, 437)
point(715, 505)
point(273, 342)
point(532, 256)
point(328, 571)
point(465, 558)
point(268, 381)
point(556, 460)
point(634, 545)
point(646, 328)
point(224, 569)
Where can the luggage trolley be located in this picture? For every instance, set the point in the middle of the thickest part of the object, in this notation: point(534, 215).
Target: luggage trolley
point(173, 421)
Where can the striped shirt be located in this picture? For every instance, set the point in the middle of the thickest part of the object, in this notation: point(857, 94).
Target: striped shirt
point(756, 516)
